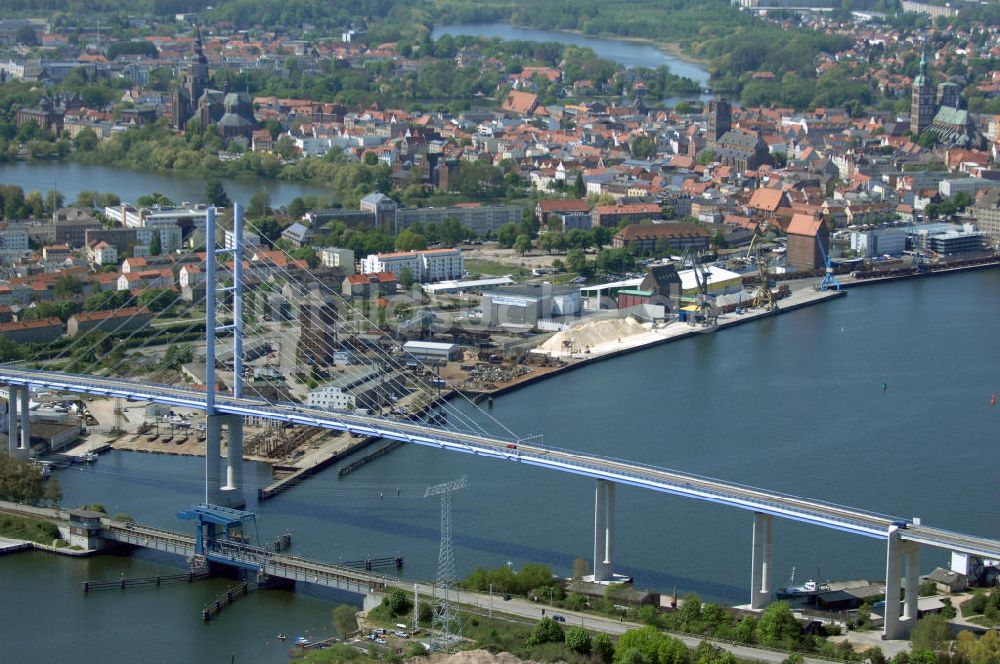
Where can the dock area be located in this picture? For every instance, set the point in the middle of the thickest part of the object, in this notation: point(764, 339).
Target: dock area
point(675, 330)
point(12, 545)
point(313, 461)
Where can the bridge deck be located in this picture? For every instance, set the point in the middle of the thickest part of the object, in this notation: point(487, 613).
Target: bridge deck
point(825, 514)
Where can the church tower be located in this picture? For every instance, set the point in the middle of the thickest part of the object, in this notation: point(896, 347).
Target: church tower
point(720, 120)
point(922, 107)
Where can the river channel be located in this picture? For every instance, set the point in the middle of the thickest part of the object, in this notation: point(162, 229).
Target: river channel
point(792, 403)
point(627, 53)
point(70, 178)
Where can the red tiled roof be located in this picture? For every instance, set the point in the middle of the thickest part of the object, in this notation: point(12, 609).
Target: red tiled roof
point(804, 224)
point(107, 315)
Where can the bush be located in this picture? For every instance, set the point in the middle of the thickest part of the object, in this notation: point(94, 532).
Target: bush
point(59, 543)
point(975, 605)
point(578, 640)
point(546, 630)
point(604, 648)
point(397, 602)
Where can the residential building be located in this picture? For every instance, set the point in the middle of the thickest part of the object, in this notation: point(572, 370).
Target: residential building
point(610, 216)
point(482, 220)
point(369, 285)
point(424, 266)
point(118, 321)
point(987, 214)
point(643, 238)
point(100, 254)
point(32, 331)
point(337, 257)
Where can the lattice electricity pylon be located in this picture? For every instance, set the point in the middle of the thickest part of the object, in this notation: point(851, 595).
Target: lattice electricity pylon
point(445, 625)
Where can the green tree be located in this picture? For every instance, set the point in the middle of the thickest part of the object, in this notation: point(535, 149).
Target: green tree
point(576, 260)
point(155, 244)
point(26, 36)
point(52, 492)
point(579, 187)
point(370, 158)
point(507, 235)
point(604, 648)
point(406, 277)
point(578, 640)
point(644, 147)
point(601, 236)
point(297, 208)
point(344, 620)
point(67, 285)
point(777, 626)
point(260, 205)
point(546, 630)
point(522, 244)
point(216, 193)
point(86, 140)
point(156, 299)
point(176, 355)
point(398, 603)
point(930, 633)
point(150, 200)
point(651, 646)
point(409, 240)
point(529, 223)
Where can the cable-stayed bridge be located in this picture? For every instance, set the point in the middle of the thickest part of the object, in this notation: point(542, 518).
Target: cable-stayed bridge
point(327, 325)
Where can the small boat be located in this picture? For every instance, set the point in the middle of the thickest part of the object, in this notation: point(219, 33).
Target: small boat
point(807, 589)
point(90, 457)
point(302, 641)
point(281, 637)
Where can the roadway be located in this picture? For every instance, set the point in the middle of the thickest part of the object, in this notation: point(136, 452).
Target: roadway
point(815, 512)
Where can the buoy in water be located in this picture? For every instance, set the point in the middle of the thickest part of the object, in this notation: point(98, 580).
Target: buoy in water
point(993, 399)
point(885, 386)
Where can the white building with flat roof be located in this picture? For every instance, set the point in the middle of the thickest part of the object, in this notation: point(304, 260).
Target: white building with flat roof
point(425, 265)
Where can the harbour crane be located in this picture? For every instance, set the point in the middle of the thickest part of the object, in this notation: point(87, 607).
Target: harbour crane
point(703, 300)
point(763, 297)
point(829, 279)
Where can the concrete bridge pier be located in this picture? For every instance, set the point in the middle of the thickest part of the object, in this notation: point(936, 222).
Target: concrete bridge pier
point(760, 574)
point(604, 531)
point(18, 422)
point(232, 492)
point(902, 564)
point(213, 452)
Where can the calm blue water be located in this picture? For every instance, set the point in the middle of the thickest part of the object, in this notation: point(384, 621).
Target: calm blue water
point(627, 53)
point(792, 403)
point(71, 178)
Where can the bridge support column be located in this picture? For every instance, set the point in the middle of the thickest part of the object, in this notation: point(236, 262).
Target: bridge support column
point(604, 531)
point(232, 492)
point(25, 413)
point(213, 452)
point(760, 574)
point(12, 440)
point(902, 570)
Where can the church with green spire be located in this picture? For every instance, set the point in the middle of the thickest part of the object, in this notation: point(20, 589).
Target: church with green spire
point(941, 113)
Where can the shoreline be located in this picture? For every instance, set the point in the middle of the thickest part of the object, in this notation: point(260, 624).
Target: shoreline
point(814, 298)
point(818, 297)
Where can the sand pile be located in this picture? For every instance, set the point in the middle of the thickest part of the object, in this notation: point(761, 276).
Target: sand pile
point(593, 334)
point(471, 657)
